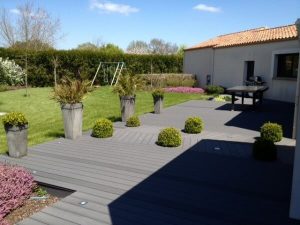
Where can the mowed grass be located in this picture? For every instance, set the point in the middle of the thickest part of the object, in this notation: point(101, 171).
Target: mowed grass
point(44, 115)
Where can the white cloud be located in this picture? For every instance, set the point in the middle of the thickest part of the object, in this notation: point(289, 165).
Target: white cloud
point(110, 7)
point(15, 11)
point(203, 7)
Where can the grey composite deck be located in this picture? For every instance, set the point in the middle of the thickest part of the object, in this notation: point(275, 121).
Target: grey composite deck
point(128, 180)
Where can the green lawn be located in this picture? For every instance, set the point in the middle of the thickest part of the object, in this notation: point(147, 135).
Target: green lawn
point(44, 116)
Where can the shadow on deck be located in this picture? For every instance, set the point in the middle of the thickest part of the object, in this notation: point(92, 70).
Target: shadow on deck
point(205, 186)
point(273, 111)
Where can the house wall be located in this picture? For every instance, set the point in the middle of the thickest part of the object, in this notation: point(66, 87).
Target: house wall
point(228, 66)
point(199, 63)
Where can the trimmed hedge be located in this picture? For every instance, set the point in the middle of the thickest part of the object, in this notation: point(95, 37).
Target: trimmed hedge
point(214, 90)
point(103, 128)
point(83, 64)
point(169, 137)
point(133, 121)
point(193, 125)
point(271, 132)
point(264, 150)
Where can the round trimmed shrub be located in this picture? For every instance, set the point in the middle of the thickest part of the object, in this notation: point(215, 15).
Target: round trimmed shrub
point(169, 137)
point(271, 132)
point(133, 121)
point(14, 119)
point(193, 125)
point(264, 150)
point(103, 128)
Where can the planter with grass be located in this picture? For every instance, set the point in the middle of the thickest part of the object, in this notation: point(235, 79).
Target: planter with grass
point(70, 94)
point(133, 121)
point(16, 128)
point(127, 87)
point(103, 128)
point(193, 125)
point(158, 99)
point(169, 137)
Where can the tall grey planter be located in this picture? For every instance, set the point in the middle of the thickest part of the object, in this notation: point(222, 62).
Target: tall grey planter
point(17, 139)
point(127, 107)
point(72, 116)
point(158, 104)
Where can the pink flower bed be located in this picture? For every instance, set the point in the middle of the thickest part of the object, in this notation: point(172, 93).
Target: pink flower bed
point(16, 185)
point(184, 90)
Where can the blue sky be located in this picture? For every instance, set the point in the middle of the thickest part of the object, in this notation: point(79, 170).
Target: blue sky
point(179, 21)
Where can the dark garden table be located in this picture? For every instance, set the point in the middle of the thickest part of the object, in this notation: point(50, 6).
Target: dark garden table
point(256, 91)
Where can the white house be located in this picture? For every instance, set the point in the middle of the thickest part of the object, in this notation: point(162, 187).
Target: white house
point(271, 53)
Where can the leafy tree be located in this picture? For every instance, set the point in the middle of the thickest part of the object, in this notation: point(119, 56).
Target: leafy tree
point(33, 26)
point(180, 51)
point(138, 47)
point(87, 46)
point(111, 49)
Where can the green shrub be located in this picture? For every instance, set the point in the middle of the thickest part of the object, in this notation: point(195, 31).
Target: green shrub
point(40, 64)
point(193, 125)
point(264, 150)
point(158, 93)
point(103, 128)
point(170, 80)
point(169, 137)
point(14, 119)
point(3, 87)
point(133, 121)
point(271, 132)
point(214, 90)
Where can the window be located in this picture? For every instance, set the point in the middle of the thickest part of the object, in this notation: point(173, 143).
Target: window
point(287, 65)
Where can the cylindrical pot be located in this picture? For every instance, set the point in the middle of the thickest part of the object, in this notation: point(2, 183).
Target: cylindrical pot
point(72, 116)
point(127, 107)
point(17, 139)
point(158, 104)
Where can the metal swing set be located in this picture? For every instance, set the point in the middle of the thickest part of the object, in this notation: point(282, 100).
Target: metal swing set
point(111, 72)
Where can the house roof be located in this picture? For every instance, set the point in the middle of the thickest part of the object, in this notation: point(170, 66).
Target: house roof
point(248, 37)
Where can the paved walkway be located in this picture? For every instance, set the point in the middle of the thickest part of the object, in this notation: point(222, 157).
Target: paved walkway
point(128, 180)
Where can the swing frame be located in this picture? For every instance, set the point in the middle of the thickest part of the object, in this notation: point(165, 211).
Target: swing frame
point(119, 67)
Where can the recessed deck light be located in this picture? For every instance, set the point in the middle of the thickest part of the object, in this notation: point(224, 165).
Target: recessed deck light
point(83, 203)
point(217, 148)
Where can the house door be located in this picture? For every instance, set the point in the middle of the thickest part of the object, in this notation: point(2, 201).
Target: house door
point(249, 69)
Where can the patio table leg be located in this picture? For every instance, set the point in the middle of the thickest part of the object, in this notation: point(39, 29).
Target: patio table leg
point(232, 100)
point(243, 96)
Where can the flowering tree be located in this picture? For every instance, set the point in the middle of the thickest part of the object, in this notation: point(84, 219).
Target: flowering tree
point(11, 73)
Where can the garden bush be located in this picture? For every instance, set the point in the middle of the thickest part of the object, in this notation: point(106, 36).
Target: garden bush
point(170, 80)
point(158, 93)
point(271, 132)
point(193, 125)
point(16, 185)
point(14, 119)
point(169, 137)
point(264, 150)
point(214, 90)
point(83, 64)
point(184, 90)
point(103, 128)
point(11, 73)
point(133, 121)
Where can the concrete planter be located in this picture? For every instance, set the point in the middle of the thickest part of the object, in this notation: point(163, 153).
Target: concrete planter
point(17, 139)
point(158, 104)
point(127, 107)
point(72, 116)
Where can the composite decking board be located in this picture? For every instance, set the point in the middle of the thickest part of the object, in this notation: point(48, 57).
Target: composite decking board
point(71, 216)
point(51, 220)
point(135, 182)
point(31, 221)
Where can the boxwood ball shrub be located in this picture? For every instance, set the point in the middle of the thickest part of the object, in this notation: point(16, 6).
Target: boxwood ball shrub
point(264, 150)
point(214, 89)
point(169, 137)
point(193, 125)
point(103, 128)
point(14, 119)
point(16, 185)
point(133, 121)
point(271, 132)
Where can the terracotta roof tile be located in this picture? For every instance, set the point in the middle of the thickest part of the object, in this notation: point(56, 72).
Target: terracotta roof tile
point(254, 36)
